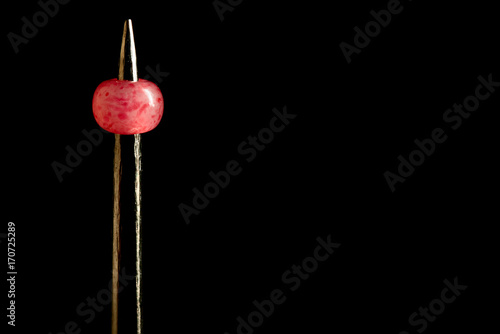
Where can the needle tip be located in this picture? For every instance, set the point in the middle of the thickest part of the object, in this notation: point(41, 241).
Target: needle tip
point(128, 60)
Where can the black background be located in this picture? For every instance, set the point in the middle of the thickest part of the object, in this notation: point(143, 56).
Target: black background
point(323, 175)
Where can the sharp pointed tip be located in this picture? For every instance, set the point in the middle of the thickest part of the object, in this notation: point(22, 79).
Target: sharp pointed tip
point(127, 25)
point(128, 61)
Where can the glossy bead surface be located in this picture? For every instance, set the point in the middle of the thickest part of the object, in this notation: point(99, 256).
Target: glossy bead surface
point(127, 107)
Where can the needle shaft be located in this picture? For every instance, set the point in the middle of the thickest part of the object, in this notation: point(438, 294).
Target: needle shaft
point(127, 70)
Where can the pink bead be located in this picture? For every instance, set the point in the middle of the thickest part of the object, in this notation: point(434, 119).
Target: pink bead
point(127, 107)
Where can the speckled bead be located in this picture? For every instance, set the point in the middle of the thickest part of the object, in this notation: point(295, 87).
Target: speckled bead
point(127, 107)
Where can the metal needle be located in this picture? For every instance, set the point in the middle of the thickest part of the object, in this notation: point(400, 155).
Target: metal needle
point(128, 59)
point(127, 71)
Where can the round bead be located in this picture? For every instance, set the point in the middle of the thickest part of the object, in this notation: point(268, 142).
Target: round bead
point(127, 107)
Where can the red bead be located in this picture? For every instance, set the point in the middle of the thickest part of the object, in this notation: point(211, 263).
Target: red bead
point(127, 107)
